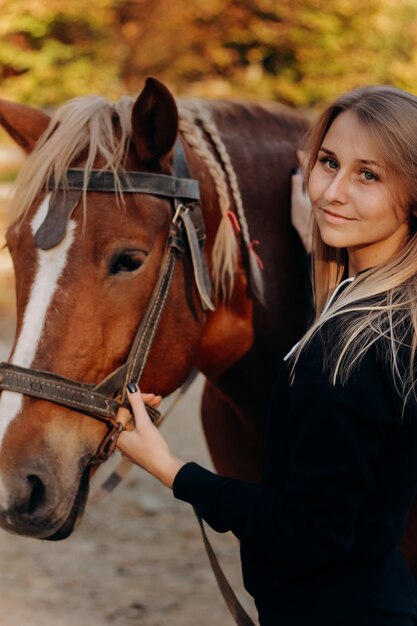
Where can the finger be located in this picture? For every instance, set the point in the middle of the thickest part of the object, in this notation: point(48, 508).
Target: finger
point(137, 404)
point(123, 416)
point(147, 397)
point(154, 402)
point(124, 446)
point(125, 457)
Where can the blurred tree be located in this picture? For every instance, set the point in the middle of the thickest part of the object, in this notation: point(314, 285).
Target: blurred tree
point(302, 52)
point(299, 51)
point(52, 50)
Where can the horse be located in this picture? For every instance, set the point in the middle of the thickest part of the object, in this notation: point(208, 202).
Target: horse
point(82, 295)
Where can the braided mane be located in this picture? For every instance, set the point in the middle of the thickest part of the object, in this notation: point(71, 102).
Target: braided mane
point(86, 125)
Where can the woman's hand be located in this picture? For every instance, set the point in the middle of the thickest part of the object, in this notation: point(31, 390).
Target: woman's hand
point(144, 445)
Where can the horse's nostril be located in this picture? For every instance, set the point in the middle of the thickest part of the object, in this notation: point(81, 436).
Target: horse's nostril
point(36, 496)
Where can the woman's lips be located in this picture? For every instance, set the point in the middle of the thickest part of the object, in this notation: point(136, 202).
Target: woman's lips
point(335, 218)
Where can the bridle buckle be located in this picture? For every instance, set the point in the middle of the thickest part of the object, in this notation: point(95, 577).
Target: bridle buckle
point(108, 445)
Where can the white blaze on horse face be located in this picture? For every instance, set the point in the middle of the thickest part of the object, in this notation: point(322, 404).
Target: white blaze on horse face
point(51, 264)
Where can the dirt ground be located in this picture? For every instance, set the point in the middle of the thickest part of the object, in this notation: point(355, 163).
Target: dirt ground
point(137, 558)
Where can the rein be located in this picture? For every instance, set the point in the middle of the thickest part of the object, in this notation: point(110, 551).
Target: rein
point(186, 233)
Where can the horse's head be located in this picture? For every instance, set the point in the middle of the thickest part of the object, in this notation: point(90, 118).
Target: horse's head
point(82, 295)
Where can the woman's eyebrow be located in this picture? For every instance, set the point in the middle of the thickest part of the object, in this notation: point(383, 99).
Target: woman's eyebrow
point(364, 161)
point(370, 162)
point(327, 151)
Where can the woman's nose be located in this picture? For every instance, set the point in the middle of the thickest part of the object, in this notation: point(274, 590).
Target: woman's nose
point(337, 189)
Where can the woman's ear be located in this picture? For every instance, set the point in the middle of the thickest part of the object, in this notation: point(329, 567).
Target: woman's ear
point(302, 157)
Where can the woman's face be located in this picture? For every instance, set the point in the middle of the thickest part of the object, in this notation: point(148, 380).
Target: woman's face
point(357, 203)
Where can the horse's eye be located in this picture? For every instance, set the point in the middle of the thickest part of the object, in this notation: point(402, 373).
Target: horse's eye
point(127, 261)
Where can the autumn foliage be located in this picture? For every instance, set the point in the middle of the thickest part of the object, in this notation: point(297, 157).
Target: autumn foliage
point(302, 52)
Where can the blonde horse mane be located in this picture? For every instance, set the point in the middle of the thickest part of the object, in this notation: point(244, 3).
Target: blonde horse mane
point(86, 125)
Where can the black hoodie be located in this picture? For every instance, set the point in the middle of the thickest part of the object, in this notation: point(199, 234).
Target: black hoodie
point(319, 535)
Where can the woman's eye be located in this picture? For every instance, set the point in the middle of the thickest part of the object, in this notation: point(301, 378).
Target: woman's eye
point(329, 163)
point(128, 261)
point(368, 175)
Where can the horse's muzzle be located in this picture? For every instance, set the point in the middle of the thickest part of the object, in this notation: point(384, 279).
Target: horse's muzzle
point(37, 508)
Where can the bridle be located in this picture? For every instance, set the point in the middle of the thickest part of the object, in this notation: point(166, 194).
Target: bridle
point(186, 236)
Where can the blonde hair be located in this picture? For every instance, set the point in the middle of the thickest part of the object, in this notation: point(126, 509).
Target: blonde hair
point(381, 302)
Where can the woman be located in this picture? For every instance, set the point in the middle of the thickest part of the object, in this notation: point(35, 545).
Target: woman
point(319, 536)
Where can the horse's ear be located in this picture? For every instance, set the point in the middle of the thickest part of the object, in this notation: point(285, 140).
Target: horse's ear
point(154, 121)
point(24, 124)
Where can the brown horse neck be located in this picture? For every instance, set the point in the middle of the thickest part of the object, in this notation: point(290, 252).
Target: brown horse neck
point(227, 333)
